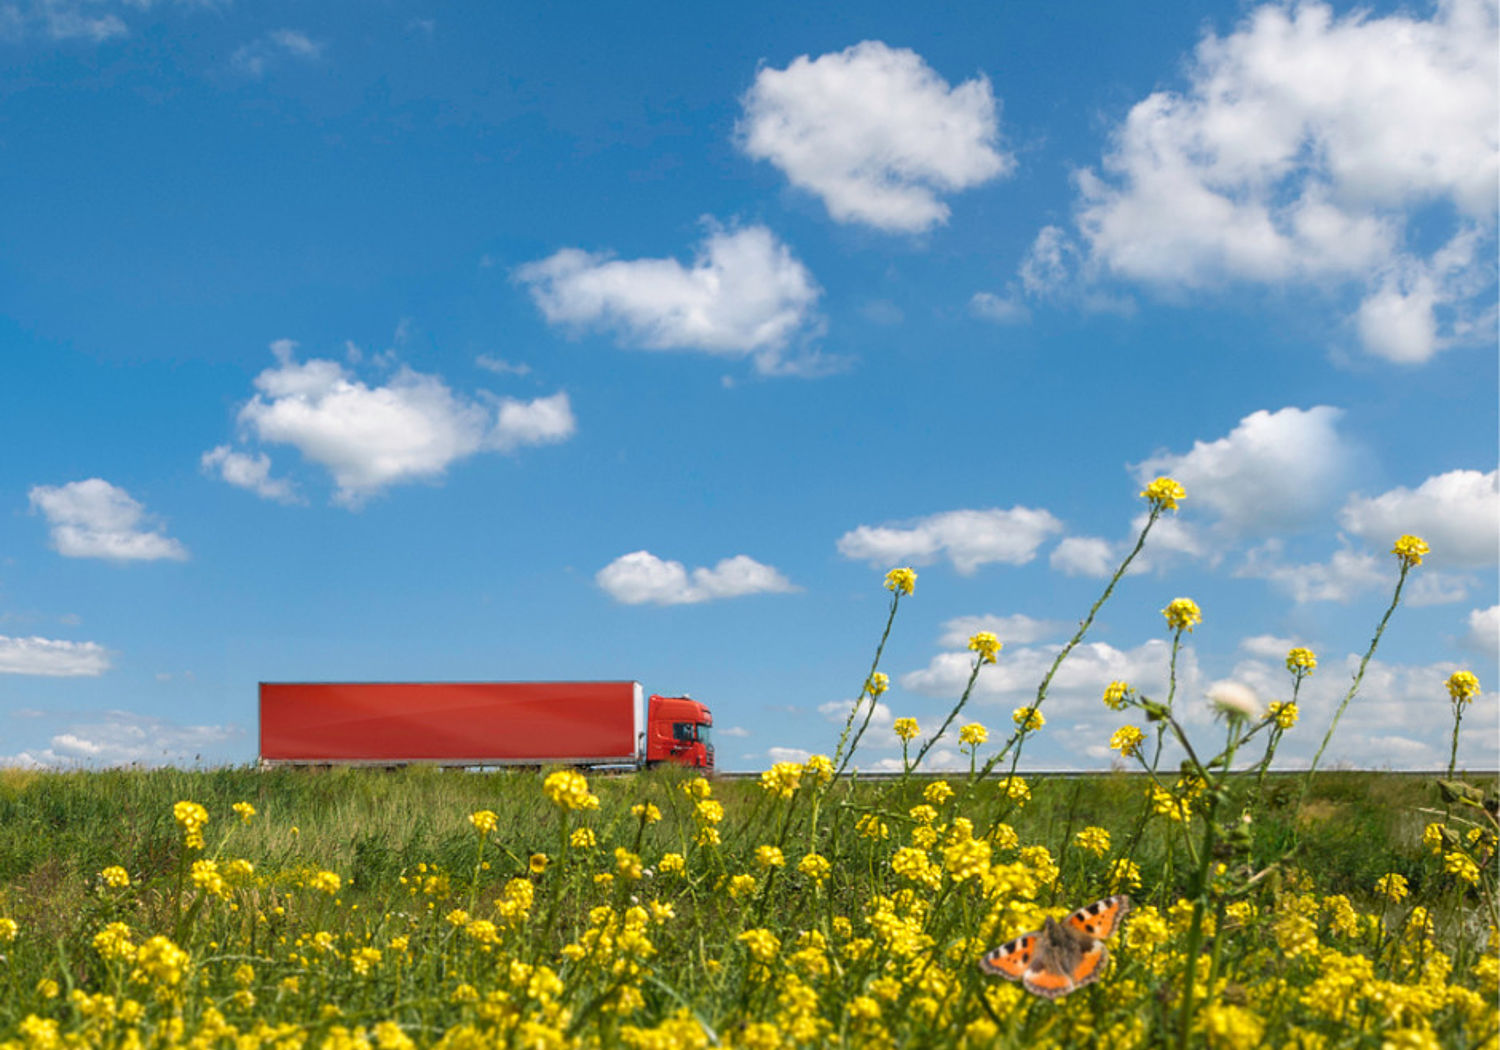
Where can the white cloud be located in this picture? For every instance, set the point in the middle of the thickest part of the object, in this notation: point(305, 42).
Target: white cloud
point(641, 577)
point(254, 58)
point(1346, 575)
point(1457, 513)
point(94, 519)
point(1006, 309)
point(1016, 629)
point(967, 538)
point(1310, 149)
point(500, 366)
point(52, 658)
point(787, 754)
point(875, 133)
point(737, 732)
point(1484, 630)
point(1269, 646)
point(1084, 556)
point(118, 738)
point(248, 472)
point(744, 294)
point(409, 429)
point(1274, 471)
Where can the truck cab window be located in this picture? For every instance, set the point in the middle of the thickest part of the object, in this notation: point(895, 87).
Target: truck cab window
point(705, 734)
point(682, 732)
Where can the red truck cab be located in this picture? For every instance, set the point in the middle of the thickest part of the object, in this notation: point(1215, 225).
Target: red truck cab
point(679, 729)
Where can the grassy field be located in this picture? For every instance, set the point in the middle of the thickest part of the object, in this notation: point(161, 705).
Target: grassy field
point(361, 907)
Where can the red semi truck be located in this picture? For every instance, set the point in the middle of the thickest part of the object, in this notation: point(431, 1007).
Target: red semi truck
point(480, 724)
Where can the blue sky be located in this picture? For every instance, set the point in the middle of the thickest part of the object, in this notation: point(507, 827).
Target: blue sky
point(392, 341)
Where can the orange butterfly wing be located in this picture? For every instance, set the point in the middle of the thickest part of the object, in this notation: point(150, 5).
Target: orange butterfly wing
point(1101, 919)
point(1011, 959)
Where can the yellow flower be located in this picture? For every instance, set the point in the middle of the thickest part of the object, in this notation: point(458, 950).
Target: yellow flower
point(1301, 661)
point(1461, 865)
point(364, 960)
point(328, 882)
point(113, 942)
point(973, 734)
point(1182, 614)
point(769, 857)
point(582, 838)
point(1164, 493)
point(879, 682)
point(115, 876)
point(192, 817)
point(627, 864)
point(782, 779)
point(741, 886)
point(906, 728)
point(1093, 839)
point(1463, 687)
point(8, 930)
point(159, 960)
point(763, 945)
point(901, 581)
point(937, 792)
point(1017, 790)
point(815, 867)
point(1028, 718)
point(537, 863)
point(1391, 887)
point(1410, 549)
point(645, 812)
point(820, 768)
point(1114, 695)
point(484, 821)
point(1127, 740)
point(568, 790)
point(672, 864)
point(1285, 713)
point(244, 811)
point(986, 645)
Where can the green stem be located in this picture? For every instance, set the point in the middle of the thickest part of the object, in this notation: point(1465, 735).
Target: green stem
point(839, 752)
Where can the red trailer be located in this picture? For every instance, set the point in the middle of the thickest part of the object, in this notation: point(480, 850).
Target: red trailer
point(480, 724)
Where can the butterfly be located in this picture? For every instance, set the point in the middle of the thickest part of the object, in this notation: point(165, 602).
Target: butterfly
point(1061, 956)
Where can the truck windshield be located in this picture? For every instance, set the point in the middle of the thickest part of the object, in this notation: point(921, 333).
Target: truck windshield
point(705, 734)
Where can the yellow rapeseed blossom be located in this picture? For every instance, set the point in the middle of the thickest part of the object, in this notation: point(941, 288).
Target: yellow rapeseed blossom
point(1115, 694)
point(1410, 550)
point(627, 864)
point(1164, 493)
point(192, 817)
point(901, 581)
point(1285, 713)
point(986, 645)
point(645, 812)
point(1017, 790)
point(1094, 840)
point(877, 683)
point(1301, 661)
point(1392, 887)
point(1182, 614)
point(582, 838)
point(815, 867)
point(328, 882)
point(1127, 740)
point(871, 827)
point(114, 943)
point(973, 734)
point(115, 876)
point(1462, 866)
point(537, 863)
point(781, 780)
point(906, 728)
point(1463, 687)
point(8, 930)
point(568, 790)
point(160, 961)
point(937, 792)
point(671, 864)
point(762, 944)
point(485, 821)
point(1028, 718)
point(769, 857)
point(742, 886)
point(244, 810)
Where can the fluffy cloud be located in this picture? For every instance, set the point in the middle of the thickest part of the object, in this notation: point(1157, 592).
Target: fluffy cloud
point(248, 472)
point(1458, 513)
point(744, 294)
point(1084, 556)
point(119, 738)
point(967, 538)
point(1484, 630)
point(369, 437)
point(51, 658)
point(1311, 149)
point(875, 133)
point(1274, 471)
point(279, 45)
point(1346, 575)
point(641, 577)
point(94, 519)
